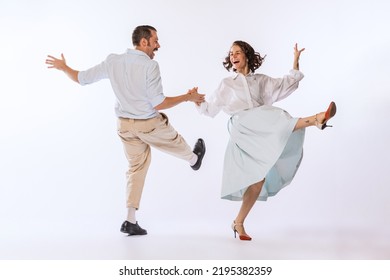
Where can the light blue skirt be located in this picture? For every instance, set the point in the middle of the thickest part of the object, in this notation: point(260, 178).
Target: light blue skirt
point(262, 145)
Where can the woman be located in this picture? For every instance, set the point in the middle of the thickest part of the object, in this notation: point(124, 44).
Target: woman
point(265, 146)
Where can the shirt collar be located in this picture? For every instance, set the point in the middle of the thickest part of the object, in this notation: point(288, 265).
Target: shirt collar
point(138, 52)
point(236, 74)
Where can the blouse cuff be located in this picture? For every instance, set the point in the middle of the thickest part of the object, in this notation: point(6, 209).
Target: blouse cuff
point(201, 108)
point(296, 74)
point(80, 77)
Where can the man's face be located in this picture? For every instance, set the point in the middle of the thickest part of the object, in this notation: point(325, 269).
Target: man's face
point(152, 45)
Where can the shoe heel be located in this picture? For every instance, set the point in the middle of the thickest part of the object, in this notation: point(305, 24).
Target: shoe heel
point(241, 237)
point(325, 126)
point(234, 229)
point(330, 112)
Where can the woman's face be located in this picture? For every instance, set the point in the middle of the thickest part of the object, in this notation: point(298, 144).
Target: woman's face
point(238, 59)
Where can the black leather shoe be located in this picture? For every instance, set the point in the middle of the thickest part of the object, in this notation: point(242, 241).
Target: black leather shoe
point(132, 229)
point(199, 150)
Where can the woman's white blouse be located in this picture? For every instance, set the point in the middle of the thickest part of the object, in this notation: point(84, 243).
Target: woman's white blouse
point(240, 92)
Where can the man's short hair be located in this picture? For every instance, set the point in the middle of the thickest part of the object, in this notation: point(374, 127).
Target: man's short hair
point(142, 31)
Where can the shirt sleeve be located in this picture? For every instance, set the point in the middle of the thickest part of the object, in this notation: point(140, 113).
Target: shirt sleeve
point(93, 74)
point(154, 89)
point(214, 105)
point(279, 88)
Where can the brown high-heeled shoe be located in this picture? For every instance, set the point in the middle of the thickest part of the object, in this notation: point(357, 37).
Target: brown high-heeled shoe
point(244, 237)
point(330, 112)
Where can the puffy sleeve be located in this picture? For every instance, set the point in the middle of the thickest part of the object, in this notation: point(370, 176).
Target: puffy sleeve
point(216, 101)
point(276, 89)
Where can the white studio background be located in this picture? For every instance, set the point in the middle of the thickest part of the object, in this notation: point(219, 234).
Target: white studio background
point(62, 169)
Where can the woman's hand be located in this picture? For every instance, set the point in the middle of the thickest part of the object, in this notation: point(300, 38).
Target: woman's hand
point(195, 97)
point(297, 54)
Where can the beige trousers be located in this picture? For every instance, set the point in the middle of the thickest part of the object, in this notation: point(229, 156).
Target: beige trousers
point(137, 136)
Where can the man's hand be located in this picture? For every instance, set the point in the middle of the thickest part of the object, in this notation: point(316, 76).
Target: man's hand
point(60, 64)
point(56, 63)
point(195, 97)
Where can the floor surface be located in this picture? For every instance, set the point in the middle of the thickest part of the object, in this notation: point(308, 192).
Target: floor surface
point(192, 241)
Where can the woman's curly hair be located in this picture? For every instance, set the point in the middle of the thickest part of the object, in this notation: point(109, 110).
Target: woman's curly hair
point(254, 58)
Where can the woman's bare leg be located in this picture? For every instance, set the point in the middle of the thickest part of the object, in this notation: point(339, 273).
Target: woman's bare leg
point(317, 119)
point(248, 200)
point(309, 121)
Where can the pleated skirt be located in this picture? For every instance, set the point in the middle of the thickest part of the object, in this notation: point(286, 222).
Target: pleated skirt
point(262, 145)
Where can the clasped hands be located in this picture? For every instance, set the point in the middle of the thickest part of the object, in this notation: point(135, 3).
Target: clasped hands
point(195, 97)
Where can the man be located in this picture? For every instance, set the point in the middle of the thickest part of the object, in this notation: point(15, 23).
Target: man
point(136, 82)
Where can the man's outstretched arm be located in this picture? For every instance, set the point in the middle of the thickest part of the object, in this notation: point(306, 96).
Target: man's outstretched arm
point(192, 95)
point(60, 64)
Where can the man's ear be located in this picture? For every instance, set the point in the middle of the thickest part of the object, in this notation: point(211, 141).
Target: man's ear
point(143, 42)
